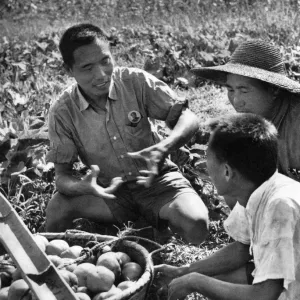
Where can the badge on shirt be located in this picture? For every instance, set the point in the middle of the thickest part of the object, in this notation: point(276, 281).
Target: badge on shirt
point(134, 117)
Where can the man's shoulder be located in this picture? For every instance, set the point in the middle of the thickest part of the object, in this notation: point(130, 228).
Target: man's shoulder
point(64, 99)
point(285, 182)
point(285, 191)
point(130, 73)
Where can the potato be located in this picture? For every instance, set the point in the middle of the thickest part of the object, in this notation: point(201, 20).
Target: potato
point(132, 271)
point(56, 247)
point(100, 279)
point(72, 252)
point(110, 261)
point(19, 290)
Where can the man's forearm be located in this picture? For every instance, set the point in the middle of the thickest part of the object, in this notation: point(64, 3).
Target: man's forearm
point(183, 131)
point(229, 258)
point(220, 290)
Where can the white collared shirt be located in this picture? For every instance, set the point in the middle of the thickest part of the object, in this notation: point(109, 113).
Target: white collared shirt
point(273, 221)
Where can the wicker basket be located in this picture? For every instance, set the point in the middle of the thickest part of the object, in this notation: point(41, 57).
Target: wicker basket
point(137, 252)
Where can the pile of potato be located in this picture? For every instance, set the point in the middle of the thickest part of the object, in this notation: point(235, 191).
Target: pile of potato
point(99, 278)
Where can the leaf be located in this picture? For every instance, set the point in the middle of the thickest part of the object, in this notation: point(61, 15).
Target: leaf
point(296, 74)
point(56, 55)
point(36, 123)
point(207, 58)
point(148, 52)
point(21, 168)
point(24, 177)
point(176, 54)
point(201, 164)
point(25, 116)
point(37, 172)
point(26, 51)
point(21, 65)
point(200, 152)
point(42, 45)
point(4, 164)
point(224, 54)
point(182, 80)
point(17, 98)
point(14, 126)
point(6, 85)
point(34, 134)
point(5, 40)
point(2, 107)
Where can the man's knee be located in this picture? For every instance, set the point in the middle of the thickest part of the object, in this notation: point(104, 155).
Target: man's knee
point(188, 216)
point(196, 231)
point(57, 214)
point(55, 205)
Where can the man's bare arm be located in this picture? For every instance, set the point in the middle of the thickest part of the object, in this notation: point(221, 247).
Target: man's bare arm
point(227, 259)
point(186, 126)
point(220, 290)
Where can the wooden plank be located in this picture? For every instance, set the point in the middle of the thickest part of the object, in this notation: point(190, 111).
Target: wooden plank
point(38, 271)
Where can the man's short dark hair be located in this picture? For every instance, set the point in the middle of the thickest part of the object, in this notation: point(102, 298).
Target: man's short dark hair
point(247, 142)
point(77, 36)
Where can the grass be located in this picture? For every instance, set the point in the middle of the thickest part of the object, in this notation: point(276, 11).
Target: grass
point(276, 19)
point(209, 101)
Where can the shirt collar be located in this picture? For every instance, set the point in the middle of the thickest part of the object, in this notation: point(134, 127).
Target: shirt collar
point(112, 95)
point(83, 104)
point(260, 194)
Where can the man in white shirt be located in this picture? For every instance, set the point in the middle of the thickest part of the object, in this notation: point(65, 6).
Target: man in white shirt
point(264, 260)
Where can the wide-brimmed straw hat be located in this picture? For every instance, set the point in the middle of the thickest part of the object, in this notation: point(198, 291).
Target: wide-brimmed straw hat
point(256, 59)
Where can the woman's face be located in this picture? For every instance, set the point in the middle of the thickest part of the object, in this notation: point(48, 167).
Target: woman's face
point(250, 95)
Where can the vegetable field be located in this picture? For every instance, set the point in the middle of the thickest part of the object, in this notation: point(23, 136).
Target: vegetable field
point(167, 39)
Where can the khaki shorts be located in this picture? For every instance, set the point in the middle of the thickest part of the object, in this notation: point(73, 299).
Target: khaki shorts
point(134, 201)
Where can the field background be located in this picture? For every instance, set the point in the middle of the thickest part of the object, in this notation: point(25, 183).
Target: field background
point(166, 38)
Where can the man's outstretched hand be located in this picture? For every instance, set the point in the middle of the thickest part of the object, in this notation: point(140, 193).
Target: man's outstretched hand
point(154, 156)
point(96, 189)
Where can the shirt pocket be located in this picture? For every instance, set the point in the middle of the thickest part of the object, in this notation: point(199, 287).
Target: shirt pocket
point(134, 130)
point(138, 137)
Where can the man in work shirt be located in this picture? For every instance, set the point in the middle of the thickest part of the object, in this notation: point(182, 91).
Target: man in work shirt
point(103, 119)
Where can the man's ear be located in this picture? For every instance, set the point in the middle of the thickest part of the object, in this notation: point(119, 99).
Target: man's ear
point(229, 172)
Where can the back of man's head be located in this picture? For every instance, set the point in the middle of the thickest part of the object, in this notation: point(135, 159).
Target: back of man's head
point(247, 142)
point(77, 36)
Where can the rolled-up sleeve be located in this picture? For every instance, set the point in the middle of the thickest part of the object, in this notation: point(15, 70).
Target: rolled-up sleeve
point(274, 251)
point(236, 225)
point(62, 147)
point(161, 101)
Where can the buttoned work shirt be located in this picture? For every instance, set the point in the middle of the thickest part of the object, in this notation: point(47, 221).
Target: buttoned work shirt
point(104, 137)
point(272, 228)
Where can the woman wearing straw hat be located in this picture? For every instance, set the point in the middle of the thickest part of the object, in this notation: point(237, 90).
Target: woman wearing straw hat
point(257, 82)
